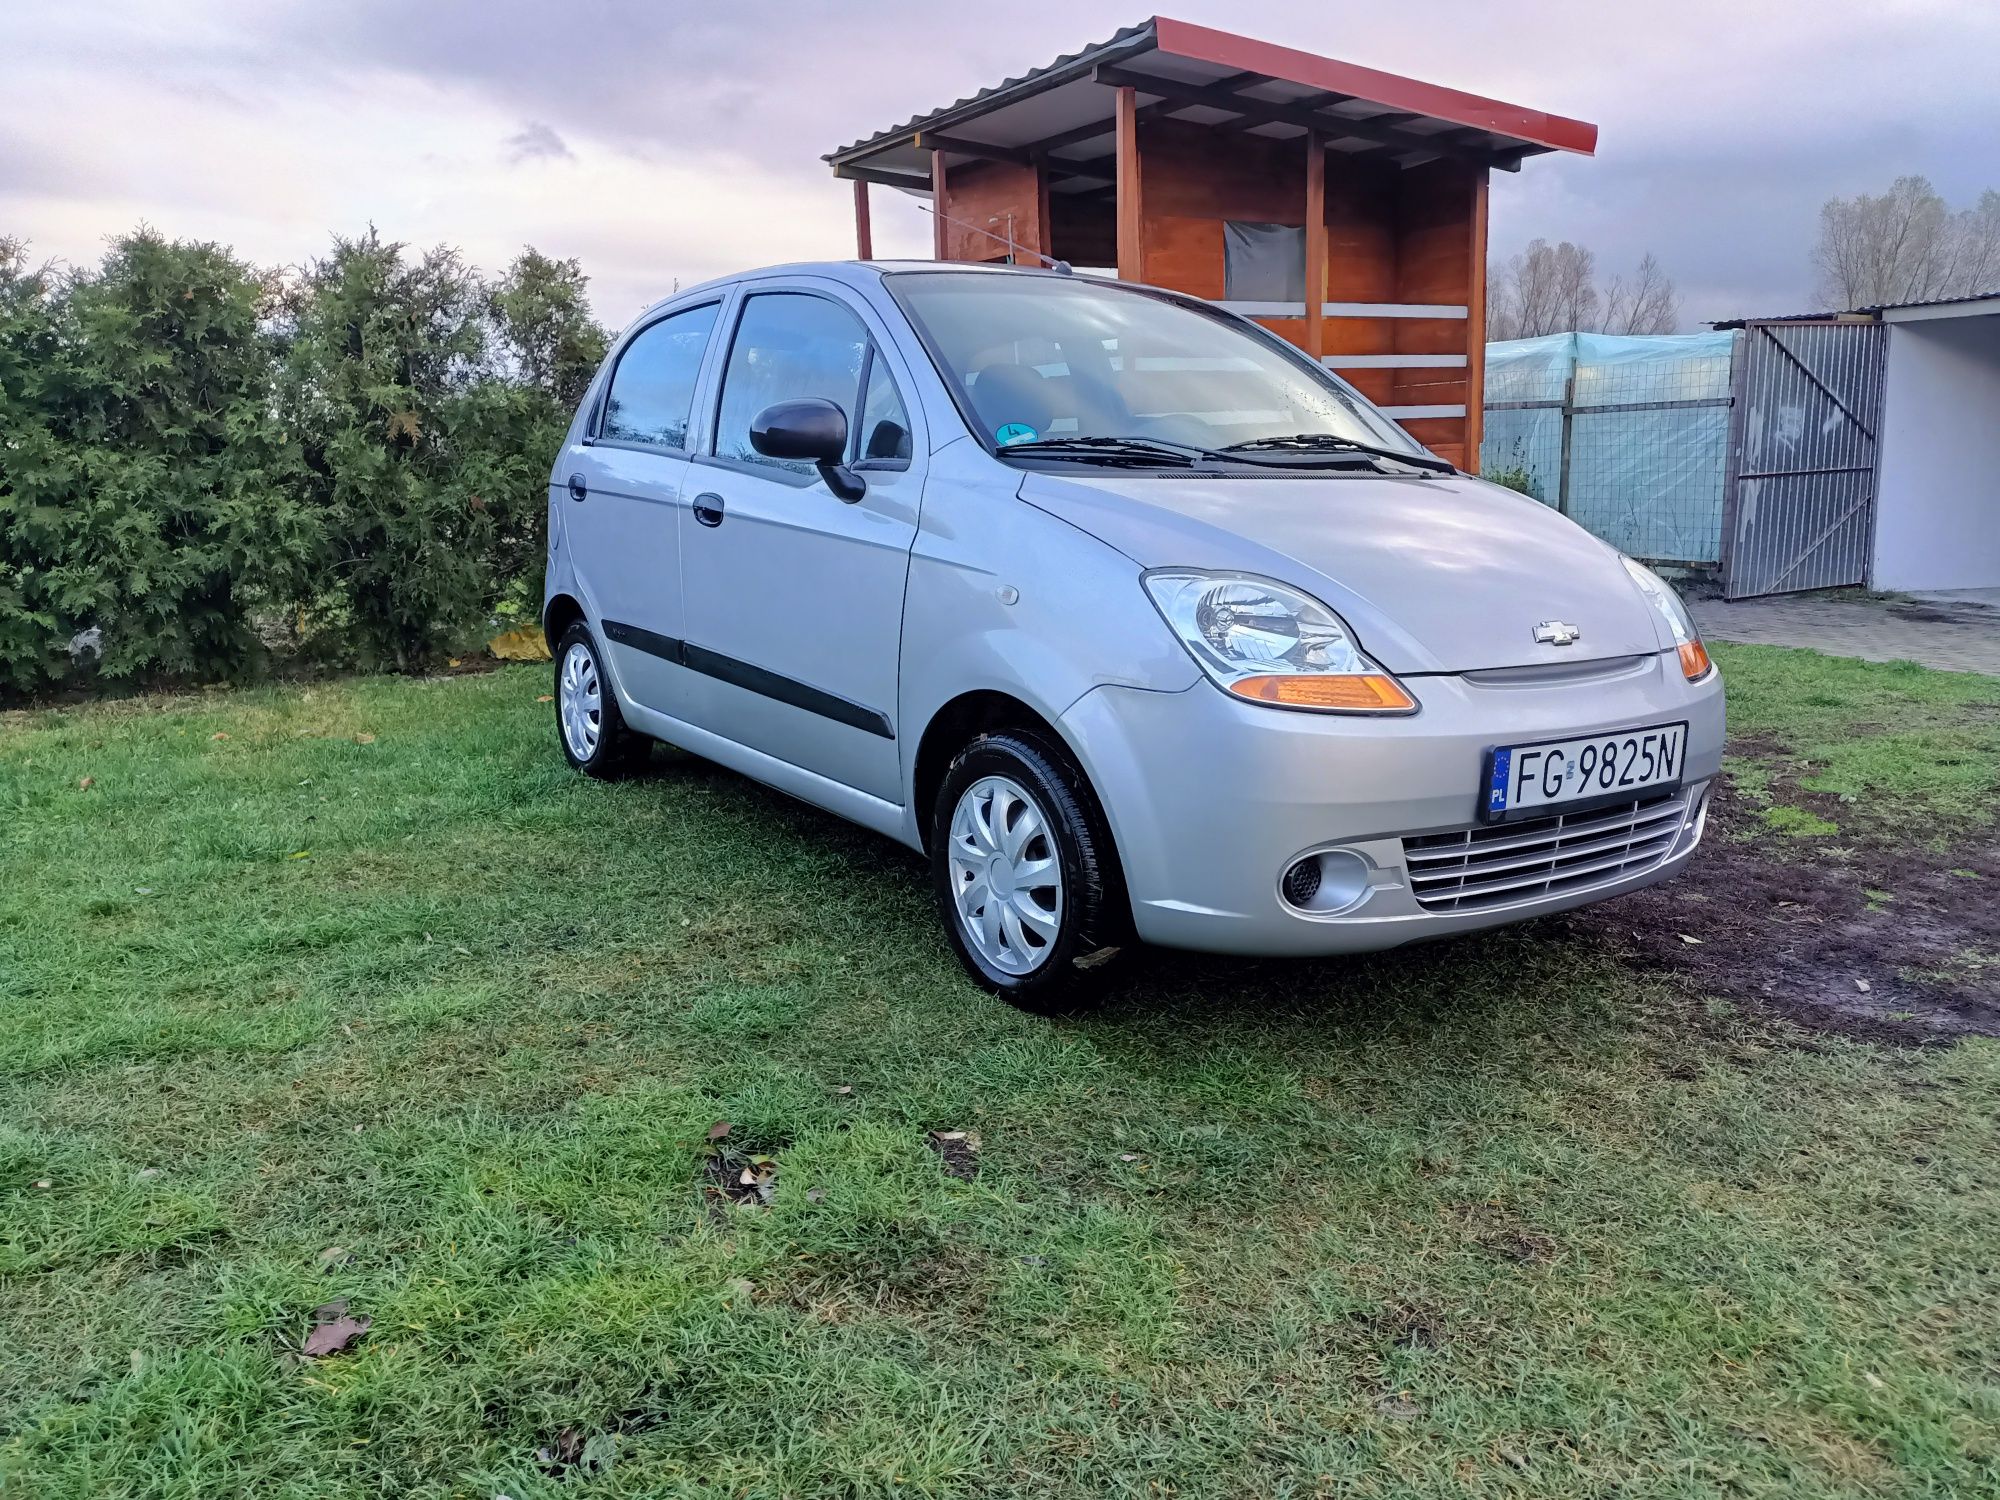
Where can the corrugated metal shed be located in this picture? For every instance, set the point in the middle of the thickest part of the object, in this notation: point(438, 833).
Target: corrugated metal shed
point(1875, 312)
point(1061, 113)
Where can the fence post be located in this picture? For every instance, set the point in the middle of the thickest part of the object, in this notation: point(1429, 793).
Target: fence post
point(1569, 416)
point(1732, 460)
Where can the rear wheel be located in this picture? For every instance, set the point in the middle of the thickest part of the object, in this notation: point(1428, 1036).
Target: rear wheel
point(593, 733)
point(1026, 877)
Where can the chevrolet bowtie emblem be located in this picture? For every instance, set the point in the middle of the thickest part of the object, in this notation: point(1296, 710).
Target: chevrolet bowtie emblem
point(1557, 633)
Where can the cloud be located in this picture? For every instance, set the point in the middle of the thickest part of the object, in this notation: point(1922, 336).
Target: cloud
point(537, 141)
point(694, 150)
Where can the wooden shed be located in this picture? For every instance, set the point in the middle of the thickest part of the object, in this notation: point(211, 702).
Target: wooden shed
point(1343, 207)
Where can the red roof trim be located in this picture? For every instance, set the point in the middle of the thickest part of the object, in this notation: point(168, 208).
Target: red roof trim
point(1243, 54)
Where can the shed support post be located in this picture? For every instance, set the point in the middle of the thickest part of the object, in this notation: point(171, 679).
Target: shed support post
point(1475, 329)
point(938, 237)
point(1131, 243)
point(864, 237)
point(1315, 244)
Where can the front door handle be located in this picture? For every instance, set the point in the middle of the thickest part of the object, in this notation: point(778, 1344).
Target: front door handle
point(578, 489)
point(708, 508)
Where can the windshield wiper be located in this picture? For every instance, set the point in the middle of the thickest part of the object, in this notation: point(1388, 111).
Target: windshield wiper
point(1112, 450)
point(1326, 442)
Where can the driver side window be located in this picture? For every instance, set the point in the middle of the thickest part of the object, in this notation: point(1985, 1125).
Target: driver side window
point(788, 345)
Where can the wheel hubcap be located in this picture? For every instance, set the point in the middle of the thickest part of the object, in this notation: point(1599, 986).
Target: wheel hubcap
point(1005, 877)
point(581, 701)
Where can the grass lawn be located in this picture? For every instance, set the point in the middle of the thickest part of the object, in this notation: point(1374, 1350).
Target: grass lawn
point(356, 992)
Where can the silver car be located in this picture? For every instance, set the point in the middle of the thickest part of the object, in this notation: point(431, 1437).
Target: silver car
point(1134, 619)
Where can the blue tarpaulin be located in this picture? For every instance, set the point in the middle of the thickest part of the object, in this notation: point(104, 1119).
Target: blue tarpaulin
point(1644, 475)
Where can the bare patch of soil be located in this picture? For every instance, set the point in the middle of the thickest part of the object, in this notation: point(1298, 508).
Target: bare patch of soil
point(958, 1152)
point(1861, 934)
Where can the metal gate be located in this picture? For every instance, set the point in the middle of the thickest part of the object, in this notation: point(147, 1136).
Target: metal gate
point(1799, 498)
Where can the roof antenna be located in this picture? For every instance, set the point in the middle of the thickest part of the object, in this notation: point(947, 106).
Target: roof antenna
point(1014, 246)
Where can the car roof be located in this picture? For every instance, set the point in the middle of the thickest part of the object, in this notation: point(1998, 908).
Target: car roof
point(854, 273)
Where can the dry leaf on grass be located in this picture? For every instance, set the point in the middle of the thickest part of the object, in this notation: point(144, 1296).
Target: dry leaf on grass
point(525, 643)
point(335, 1337)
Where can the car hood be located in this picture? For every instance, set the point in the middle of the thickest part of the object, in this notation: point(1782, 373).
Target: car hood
point(1447, 574)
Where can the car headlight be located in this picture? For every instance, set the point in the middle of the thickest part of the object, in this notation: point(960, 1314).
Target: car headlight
point(1272, 644)
point(1694, 656)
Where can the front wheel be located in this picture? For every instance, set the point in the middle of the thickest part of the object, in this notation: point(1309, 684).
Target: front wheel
point(1026, 877)
point(593, 733)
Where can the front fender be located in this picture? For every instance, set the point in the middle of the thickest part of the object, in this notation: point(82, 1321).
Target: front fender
point(1004, 597)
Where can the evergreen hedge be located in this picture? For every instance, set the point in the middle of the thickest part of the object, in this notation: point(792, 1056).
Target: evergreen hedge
point(204, 464)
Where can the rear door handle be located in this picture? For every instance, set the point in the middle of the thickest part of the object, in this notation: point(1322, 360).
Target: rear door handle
point(578, 490)
point(708, 508)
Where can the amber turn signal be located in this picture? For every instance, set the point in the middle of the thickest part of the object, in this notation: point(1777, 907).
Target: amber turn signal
point(1694, 660)
point(1367, 692)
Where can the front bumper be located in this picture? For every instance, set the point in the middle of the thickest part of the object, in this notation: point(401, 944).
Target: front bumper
point(1211, 800)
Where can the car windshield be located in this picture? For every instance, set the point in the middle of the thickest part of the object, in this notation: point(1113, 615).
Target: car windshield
point(1042, 359)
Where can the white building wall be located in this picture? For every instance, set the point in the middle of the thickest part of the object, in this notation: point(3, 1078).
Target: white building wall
point(1937, 515)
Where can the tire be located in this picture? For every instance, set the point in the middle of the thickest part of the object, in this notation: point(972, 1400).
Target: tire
point(596, 740)
point(1046, 944)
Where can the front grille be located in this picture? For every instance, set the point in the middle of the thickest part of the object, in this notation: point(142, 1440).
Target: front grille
point(1502, 864)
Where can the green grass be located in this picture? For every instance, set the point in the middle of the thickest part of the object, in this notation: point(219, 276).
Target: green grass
point(1916, 751)
point(1493, 1218)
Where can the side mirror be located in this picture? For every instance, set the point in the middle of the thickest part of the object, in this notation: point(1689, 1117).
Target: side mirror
point(814, 429)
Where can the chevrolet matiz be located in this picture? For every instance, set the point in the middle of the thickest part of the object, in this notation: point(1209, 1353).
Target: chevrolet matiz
point(1137, 621)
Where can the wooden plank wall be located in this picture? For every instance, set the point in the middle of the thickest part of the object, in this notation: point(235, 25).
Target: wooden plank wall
point(1194, 180)
point(1083, 229)
point(976, 192)
point(1393, 235)
point(1435, 264)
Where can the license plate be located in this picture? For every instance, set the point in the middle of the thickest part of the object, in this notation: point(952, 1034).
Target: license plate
point(1597, 768)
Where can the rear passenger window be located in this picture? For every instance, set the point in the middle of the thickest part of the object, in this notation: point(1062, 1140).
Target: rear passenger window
point(788, 345)
point(652, 390)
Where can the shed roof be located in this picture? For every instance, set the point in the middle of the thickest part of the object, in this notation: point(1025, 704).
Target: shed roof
point(1886, 312)
point(1062, 113)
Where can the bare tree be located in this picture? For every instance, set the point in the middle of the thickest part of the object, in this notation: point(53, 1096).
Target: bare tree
point(1979, 246)
point(1905, 245)
point(1649, 304)
point(1553, 289)
point(1545, 289)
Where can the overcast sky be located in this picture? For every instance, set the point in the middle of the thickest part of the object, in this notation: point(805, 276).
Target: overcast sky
point(666, 142)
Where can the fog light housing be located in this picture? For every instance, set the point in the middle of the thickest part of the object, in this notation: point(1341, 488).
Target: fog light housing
point(1301, 881)
point(1326, 882)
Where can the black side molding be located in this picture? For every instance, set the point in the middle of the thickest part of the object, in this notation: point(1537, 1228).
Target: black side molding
point(664, 646)
point(755, 679)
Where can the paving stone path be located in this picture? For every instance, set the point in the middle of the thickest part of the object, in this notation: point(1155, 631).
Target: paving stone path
point(1949, 635)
